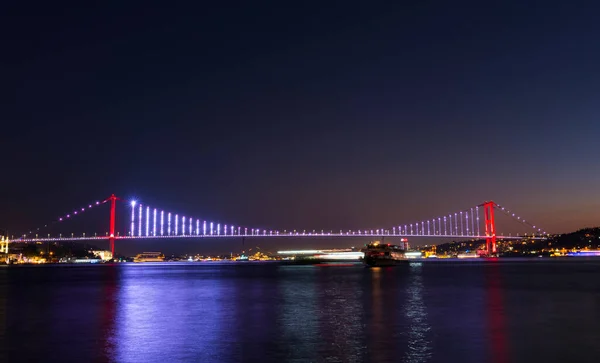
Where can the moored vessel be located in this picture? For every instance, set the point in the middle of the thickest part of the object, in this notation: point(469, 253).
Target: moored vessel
point(379, 254)
point(149, 257)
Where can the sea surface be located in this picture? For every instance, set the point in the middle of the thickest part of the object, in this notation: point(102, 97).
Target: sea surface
point(543, 310)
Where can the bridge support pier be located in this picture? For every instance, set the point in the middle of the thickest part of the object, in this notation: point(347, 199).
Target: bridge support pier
point(490, 228)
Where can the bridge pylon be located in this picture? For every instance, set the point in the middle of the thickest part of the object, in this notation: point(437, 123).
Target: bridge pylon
point(111, 237)
point(490, 228)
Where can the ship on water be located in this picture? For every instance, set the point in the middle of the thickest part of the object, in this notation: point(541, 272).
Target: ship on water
point(149, 257)
point(380, 254)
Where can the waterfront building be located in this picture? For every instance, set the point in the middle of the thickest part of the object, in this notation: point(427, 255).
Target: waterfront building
point(103, 255)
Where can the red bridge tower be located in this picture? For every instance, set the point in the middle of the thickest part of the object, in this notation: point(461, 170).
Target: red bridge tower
point(111, 237)
point(490, 227)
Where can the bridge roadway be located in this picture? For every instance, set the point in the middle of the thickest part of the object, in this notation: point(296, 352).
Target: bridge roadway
point(269, 235)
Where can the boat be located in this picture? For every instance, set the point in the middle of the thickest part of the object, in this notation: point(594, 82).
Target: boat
point(378, 254)
point(149, 257)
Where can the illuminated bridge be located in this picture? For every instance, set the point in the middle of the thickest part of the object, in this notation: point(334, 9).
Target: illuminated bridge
point(148, 222)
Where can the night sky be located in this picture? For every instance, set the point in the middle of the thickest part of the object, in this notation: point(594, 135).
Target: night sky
point(301, 114)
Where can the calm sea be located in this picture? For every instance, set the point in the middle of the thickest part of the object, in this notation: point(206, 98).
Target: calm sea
point(434, 311)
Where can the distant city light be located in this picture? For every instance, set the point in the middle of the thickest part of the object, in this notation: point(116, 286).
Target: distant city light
point(298, 252)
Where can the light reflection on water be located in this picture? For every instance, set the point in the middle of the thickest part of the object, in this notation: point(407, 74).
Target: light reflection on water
point(340, 316)
point(378, 329)
point(167, 316)
point(419, 312)
point(419, 348)
point(297, 315)
point(4, 313)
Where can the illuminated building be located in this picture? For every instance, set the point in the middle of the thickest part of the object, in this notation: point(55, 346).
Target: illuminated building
point(103, 255)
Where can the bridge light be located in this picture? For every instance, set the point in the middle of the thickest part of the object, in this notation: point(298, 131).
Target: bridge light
point(169, 224)
point(133, 202)
point(140, 220)
point(147, 219)
point(154, 222)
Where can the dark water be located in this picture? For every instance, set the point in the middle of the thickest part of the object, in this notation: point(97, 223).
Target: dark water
point(436, 311)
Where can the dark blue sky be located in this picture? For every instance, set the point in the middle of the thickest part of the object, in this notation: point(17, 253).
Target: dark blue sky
point(305, 115)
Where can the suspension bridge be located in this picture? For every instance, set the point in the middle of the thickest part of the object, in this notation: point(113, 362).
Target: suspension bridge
point(146, 222)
